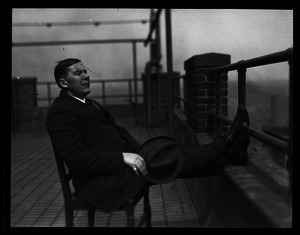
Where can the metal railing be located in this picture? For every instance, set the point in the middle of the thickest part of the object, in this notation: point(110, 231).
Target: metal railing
point(131, 95)
point(179, 93)
point(133, 42)
point(241, 68)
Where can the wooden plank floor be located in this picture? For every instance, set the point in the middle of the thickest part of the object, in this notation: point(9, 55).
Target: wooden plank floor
point(36, 196)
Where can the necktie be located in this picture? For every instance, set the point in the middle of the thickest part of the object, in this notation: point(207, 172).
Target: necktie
point(98, 107)
point(107, 115)
point(90, 103)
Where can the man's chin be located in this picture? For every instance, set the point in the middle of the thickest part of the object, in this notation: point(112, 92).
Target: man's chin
point(87, 92)
point(84, 93)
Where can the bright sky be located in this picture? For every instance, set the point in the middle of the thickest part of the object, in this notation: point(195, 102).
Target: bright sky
point(243, 34)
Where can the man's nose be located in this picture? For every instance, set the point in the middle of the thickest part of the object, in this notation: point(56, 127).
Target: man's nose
point(86, 76)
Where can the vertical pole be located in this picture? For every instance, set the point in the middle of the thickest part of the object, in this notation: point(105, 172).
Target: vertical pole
point(157, 35)
point(291, 126)
point(134, 70)
point(149, 97)
point(184, 94)
point(130, 91)
point(135, 79)
point(103, 92)
point(169, 69)
point(35, 101)
point(242, 86)
point(158, 76)
point(49, 94)
point(159, 95)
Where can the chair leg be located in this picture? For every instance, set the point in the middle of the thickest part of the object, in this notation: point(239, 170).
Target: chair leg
point(130, 213)
point(147, 208)
point(91, 217)
point(69, 217)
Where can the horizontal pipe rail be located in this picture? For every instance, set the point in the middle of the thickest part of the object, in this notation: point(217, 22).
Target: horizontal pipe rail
point(78, 23)
point(277, 57)
point(95, 81)
point(240, 67)
point(272, 141)
point(100, 96)
point(114, 96)
point(73, 42)
point(100, 82)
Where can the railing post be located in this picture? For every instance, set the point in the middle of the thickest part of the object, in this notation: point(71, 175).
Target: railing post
point(159, 90)
point(103, 92)
point(291, 126)
point(135, 78)
point(148, 96)
point(49, 93)
point(130, 91)
point(185, 93)
point(176, 95)
point(169, 69)
point(242, 86)
point(134, 70)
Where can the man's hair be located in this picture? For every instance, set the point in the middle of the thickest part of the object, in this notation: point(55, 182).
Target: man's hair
point(61, 66)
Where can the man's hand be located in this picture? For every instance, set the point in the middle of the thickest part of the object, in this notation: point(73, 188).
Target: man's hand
point(136, 162)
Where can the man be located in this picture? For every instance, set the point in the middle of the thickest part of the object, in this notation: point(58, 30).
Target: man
point(103, 158)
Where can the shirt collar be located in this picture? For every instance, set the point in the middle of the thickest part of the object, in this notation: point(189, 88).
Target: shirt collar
point(82, 100)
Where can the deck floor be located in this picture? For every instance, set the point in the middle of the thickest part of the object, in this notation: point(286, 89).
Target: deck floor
point(36, 195)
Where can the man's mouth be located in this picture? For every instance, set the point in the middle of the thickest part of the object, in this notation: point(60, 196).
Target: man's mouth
point(86, 85)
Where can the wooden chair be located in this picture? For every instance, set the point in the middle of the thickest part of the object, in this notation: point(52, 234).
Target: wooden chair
point(73, 202)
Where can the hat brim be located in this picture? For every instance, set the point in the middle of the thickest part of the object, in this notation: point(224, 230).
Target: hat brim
point(165, 176)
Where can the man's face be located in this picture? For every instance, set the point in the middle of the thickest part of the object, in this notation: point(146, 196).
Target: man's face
point(77, 81)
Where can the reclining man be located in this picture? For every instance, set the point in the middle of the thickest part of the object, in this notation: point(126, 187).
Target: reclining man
point(108, 166)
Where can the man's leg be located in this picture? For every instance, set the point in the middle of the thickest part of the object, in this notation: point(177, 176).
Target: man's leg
point(204, 160)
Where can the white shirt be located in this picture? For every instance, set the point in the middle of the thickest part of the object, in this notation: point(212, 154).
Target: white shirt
point(82, 100)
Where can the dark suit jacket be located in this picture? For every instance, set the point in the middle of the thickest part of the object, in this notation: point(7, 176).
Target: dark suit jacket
point(91, 144)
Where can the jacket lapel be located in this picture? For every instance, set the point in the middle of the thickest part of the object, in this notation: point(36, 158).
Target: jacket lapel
point(99, 109)
point(83, 105)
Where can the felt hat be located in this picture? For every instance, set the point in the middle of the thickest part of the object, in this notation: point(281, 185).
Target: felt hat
point(163, 156)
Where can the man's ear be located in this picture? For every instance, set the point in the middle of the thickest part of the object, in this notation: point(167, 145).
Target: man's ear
point(63, 82)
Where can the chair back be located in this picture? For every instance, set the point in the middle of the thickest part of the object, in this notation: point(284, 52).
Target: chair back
point(65, 178)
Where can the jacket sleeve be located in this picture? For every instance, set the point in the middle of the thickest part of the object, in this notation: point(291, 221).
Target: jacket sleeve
point(68, 142)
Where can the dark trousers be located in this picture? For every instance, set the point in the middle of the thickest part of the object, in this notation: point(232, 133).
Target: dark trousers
point(204, 160)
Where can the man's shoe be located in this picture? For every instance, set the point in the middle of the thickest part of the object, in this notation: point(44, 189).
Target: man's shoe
point(241, 116)
point(237, 153)
point(240, 122)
